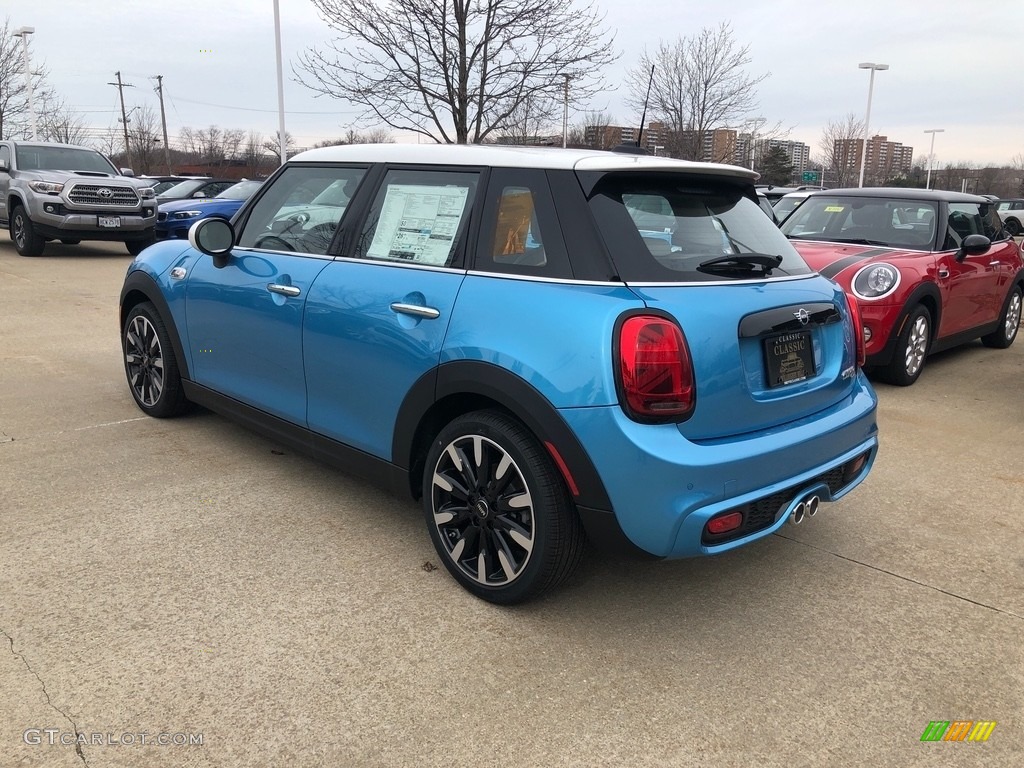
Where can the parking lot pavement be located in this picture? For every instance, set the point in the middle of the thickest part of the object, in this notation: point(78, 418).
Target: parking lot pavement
point(188, 578)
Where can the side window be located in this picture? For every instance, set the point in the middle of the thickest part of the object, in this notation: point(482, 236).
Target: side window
point(419, 216)
point(520, 232)
point(5, 156)
point(992, 225)
point(301, 209)
point(964, 219)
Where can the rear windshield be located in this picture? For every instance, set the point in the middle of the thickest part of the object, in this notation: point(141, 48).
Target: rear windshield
point(675, 228)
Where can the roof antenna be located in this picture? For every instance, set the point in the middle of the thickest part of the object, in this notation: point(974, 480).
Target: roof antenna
point(636, 148)
point(643, 118)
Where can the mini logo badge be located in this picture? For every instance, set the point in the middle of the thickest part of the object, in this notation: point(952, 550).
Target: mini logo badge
point(105, 192)
point(802, 315)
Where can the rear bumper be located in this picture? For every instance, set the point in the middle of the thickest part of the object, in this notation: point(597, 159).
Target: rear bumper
point(664, 488)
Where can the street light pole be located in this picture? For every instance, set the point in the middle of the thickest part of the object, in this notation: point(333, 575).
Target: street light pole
point(565, 114)
point(932, 131)
point(23, 33)
point(867, 115)
point(281, 136)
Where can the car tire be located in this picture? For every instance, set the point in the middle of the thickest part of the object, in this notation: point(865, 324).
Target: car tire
point(26, 241)
point(911, 349)
point(70, 241)
point(1012, 226)
point(150, 365)
point(135, 247)
point(1009, 322)
point(498, 512)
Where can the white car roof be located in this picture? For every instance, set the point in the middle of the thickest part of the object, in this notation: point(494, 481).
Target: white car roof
point(499, 156)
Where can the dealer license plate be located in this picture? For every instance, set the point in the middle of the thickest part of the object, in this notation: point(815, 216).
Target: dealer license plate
point(109, 221)
point(789, 358)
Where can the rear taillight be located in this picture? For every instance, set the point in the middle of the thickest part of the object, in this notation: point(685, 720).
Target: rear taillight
point(655, 370)
point(858, 329)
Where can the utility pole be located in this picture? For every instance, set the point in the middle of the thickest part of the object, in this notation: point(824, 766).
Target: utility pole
point(163, 121)
point(124, 116)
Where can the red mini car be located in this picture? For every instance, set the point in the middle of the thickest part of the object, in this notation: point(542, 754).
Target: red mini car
point(929, 269)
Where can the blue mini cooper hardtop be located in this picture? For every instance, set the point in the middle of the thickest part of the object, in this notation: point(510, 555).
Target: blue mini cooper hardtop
point(542, 345)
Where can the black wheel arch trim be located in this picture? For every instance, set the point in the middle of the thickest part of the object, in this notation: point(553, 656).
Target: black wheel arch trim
point(140, 282)
point(475, 378)
point(929, 290)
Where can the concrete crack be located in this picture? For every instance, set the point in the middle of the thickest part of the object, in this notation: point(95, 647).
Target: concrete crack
point(74, 725)
point(854, 560)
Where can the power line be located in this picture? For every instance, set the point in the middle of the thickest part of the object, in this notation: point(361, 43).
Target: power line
point(254, 109)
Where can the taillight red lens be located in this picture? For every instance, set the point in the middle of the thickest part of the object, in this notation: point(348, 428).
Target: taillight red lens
point(725, 523)
point(858, 329)
point(655, 370)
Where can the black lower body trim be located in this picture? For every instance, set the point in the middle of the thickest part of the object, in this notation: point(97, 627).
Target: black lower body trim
point(605, 533)
point(381, 473)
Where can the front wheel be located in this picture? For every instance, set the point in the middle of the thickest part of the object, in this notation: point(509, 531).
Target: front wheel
point(150, 364)
point(1013, 227)
point(26, 241)
point(498, 512)
point(1003, 336)
point(911, 349)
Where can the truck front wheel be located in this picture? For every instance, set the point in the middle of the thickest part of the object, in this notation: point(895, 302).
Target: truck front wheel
point(26, 241)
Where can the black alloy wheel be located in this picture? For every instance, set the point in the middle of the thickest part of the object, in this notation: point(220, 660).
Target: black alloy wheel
point(150, 365)
point(497, 510)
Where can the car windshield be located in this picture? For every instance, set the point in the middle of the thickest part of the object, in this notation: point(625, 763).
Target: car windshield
point(880, 221)
point(786, 205)
point(183, 188)
point(243, 190)
point(676, 228)
point(43, 158)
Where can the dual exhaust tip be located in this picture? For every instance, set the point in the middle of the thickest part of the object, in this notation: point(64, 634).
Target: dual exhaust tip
point(806, 508)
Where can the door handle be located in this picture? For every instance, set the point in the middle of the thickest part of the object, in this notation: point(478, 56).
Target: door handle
point(995, 263)
point(415, 310)
point(284, 290)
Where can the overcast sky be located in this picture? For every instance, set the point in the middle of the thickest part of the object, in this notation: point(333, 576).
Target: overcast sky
point(954, 65)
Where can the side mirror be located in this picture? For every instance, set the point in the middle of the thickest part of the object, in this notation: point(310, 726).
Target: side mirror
point(214, 237)
point(973, 245)
point(127, 172)
point(4, 168)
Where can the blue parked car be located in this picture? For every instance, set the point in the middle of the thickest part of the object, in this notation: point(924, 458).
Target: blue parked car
point(542, 346)
point(174, 218)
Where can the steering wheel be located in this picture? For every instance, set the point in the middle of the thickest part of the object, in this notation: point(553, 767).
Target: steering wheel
point(279, 243)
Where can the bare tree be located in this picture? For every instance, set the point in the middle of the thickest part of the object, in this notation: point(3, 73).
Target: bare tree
point(838, 145)
point(456, 70)
point(14, 112)
point(145, 137)
point(58, 123)
point(253, 153)
point(528, 121)
point(699, 83)
point(592, 131)
point(273, 145)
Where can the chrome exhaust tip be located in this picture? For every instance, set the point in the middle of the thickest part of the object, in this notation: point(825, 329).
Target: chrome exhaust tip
point(812, 506)
point(797, 515)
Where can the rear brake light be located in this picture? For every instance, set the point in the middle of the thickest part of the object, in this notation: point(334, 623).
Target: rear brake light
point(858, 329)
point(655, 370)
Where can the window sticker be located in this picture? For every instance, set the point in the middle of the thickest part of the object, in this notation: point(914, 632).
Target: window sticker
point(834, 209)
point(418, 223)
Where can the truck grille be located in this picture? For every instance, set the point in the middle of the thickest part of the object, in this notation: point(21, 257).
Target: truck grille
point(103, 194)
